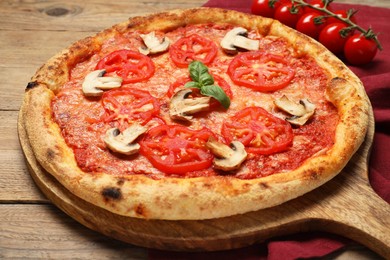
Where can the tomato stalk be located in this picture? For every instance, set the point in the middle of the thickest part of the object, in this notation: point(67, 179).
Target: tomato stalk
point(369, 34)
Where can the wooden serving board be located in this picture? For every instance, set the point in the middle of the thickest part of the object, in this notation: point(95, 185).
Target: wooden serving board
point(346, 205)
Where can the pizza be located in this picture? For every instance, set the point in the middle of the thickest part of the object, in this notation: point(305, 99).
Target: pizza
point(194, 114)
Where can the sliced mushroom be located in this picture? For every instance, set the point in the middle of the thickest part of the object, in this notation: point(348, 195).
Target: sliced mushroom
point(237, 38)
point(227, 158)
point(124, 142)
point(94, 83)
point(301, 112)
point(153, 44)
point(181, 107)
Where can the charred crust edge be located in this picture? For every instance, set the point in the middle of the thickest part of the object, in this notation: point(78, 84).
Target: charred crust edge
point(112, 193)
point(31, 85)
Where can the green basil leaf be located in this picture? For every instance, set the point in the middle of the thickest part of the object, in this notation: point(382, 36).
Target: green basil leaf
point(192, 84)
point(197, 69)
point(217, 93)
point(206, 79)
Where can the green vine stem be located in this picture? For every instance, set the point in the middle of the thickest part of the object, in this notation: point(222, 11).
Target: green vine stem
point(369, 34)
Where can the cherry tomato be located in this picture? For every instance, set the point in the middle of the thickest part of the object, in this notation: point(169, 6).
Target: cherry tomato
point(193, 47)
point(308, 26)
point(264, 8)
point(218, 81)
point(258, 130)
point(288, 15)
point(315, 3)
point(331, 38)
point(341, 13)
point(129, 104)
point(131, 66)
point(176, 149)
point(261, 71)
point(359, 50)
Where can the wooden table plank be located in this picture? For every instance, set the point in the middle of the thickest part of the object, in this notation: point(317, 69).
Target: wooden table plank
point(43, 231)
point(31, 32)
point(74, 15)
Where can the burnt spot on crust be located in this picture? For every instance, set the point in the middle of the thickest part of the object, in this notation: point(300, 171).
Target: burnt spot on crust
point(112, 193)
point(50, 154)
point(120, 181)
point(263, 185)
point(31, 85)
point(140, 210)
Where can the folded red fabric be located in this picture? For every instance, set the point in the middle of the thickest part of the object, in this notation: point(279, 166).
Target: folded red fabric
point(376, 79)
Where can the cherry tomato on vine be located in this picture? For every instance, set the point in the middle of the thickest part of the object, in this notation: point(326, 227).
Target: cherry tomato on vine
point(264, 8)
point(315, 3)
point(359, 50)
point(332, 39)
point(307, 25)
point(288, 14)
point(341, 13)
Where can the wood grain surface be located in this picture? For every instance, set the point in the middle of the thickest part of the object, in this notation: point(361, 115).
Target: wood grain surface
point(31, 32)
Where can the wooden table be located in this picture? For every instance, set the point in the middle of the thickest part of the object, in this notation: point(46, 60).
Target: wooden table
point(30, 33)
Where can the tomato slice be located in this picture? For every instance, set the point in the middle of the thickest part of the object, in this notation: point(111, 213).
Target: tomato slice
point(176, 149)
point(261, 71)
point(218, 81)
point(129, 104)
point(260, 131)
point(193, 47)
point(131, 66)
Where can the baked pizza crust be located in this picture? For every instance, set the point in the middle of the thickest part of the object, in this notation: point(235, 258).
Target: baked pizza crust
point(202, 197)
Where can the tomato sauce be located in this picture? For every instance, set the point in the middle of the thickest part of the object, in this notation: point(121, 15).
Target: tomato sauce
point(84, 120)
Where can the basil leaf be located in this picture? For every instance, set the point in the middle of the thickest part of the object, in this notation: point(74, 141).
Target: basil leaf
point(206, 79)
point(217, 93)
point(197, 69)
point(192, 84)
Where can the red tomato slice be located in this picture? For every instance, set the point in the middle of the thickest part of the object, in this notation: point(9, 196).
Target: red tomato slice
point(193, 47)
point(218, 81)
point(259, 131)
point(176, 149)
point(131, 66)
point(261, 71)
point(129, 105)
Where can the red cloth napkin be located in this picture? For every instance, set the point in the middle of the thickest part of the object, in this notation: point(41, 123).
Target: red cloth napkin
point(376, 79)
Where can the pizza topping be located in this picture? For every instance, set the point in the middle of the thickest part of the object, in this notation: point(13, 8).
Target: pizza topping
point(153, 44)
point(95, 82)
point(260, 131)
point(130, 65)
point(261, 71)
point(227, 158)
point(237, 38)
point(124, 142)
point(203, 80)
point(301, 112)
point(182, 107)
point(129, 105)
point(193, 47)
point(176, 149)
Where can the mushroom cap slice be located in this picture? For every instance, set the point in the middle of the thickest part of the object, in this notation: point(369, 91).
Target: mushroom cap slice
point(181, 107)
point(153, 44)
point(288, 106)
point(124, 142)
point(227, 158)
point(301, 112)
point(237, 38)
point(94, 83)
